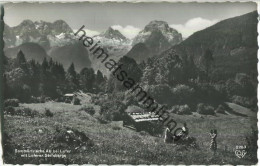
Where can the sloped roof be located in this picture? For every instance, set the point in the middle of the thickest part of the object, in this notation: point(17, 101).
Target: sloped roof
point(138, 114)
point(69, 95)
point(144, 117)
point(134, 109)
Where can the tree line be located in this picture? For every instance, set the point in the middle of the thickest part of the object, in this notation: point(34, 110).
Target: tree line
point(24, 79)
point(171, 80)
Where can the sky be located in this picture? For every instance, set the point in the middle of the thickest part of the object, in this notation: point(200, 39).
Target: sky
point(128, 18)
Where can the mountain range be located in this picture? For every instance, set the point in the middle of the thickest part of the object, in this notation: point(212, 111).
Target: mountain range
point(56, 40)
point(44, 33)
point(230, 40)
point(42, 39)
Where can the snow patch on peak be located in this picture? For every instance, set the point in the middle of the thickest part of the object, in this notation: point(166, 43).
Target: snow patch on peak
point(60, 36)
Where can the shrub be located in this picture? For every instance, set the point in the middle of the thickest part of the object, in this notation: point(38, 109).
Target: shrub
point(102, 120)
point(207, 93)
point(34, 100)
point(106, 117)
point(28, 112)
point(221, 109)
point(113, 110)
point(47, 99)
point(118, 96)
point(182, 94)
point(8, 147)
point(181, 109)
point(144, 133)
point(205, 109)
point(97, 99)
point(9, 110)
point(244, 101)
point(221, 89)
point(76, 101)
point(88, 109)
point(184, 109)
point(161, 93)
point(116, 128)
point(20, 112)
point(248, 86)
point(48, 113)
point(41, 99)
point(232, 88)
point(131, 100)
point(174, 109)
point(60, 99)
point(72, 137)
point(11, 102)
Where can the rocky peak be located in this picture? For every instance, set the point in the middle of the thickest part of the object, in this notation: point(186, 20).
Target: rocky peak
point(25, 25)
point(111, 33)
point(61, 27)
point(170, 34)
point(157, 25)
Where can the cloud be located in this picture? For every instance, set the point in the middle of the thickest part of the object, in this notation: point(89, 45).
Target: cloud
point(193, 25)
point(128, 31)
point(89, 32)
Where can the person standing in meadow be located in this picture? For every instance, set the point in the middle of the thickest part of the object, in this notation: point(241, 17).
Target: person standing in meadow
point(213, 143)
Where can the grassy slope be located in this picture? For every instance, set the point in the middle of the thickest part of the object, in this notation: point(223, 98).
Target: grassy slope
point(126, 146)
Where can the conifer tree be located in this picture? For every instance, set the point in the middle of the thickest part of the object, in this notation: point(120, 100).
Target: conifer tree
point(87, 78)
point(72, 78)
point(20, 59)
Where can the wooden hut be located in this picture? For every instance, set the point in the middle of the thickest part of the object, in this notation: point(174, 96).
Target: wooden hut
point(69, 97)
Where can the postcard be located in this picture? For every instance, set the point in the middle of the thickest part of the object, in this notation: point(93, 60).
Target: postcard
point(129, 83)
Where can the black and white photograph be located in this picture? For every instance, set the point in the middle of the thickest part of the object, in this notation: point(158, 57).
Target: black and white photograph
point(165, 83)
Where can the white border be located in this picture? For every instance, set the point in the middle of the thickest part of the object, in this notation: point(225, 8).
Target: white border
point(156, 1)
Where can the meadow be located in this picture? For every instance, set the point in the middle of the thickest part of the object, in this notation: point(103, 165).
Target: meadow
point(114, 144)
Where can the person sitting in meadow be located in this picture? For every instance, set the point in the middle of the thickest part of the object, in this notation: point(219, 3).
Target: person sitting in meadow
point(182, 134)
point(185, 130)
point(169, 138)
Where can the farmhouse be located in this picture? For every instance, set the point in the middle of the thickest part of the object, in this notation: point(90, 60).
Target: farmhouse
point(140, 120)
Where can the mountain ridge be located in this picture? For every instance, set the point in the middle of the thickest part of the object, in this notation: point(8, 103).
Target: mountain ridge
point(45, 33)
point(233, 43)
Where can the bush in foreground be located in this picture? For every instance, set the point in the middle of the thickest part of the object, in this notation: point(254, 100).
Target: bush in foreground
point(26, 112)
point(9, 110)
point(48, 113)
point(20, 112)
